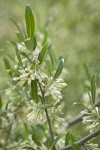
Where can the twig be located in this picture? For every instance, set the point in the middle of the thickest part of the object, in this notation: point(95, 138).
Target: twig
point(83, 140)
point(47, 115)
point(8, 135)
point(79, 117)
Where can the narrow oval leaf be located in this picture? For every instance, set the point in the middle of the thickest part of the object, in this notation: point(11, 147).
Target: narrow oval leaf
point(30, 23)
point(31, 43)
point(69, 138)
point(59, 69)
point(74, 146)
point(55, 141)
point(34, 43)
point(43, 52)
point(8, 67)
point(0, 102)
point(25, 55)
point(48, 142)
point(18, 56)
point(19, 28)
point(47, 105)
point(48, 65)
point(19, 37)
point(93, 89)
point(28, 148)
point(52, 58)
point(34, 138)
point(34, 89)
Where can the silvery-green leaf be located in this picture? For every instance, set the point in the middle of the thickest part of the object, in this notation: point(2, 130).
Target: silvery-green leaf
point(8, 67)
point(46, 105)
point(34, 43)
point(52, 58)
point(28, 148)
point(36, 141)
point(48, 65)
point(18, 56)
point(43, 52)
point(31, 43)
point(34, 89)
point(19, 37)
point(55, 141)
point(19, 28)
point(48, 142)
point(30, 23)
point(93, 89)
point(59, 69)
point(69, 137)
point(25, 55)
point(75, 146)
point(0, 102)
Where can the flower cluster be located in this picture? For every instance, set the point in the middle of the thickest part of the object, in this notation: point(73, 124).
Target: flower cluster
point(92, 146)
point(92, 119)
point(36, 113)
point(54, 90)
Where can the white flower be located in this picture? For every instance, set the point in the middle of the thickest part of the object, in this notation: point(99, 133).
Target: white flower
point(21, 47)
point(93, 146)
point(35, 113)
point(35, 55)
point(30, 73)
point(54, 90)
point(91, 119)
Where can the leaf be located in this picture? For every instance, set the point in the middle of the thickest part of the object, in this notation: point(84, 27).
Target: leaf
point(48, 142)
point(30, 23)
point(43, 52)
point(26, 127)
point(40, 131)
point(75, 146)
point(25, 55)
point(31, 43)
point(93, 88)
point(18, 27)
point(8, 67)
point(54, 142)
point(52, 58)
point(28, 148)
point(47, 105)
point(0, 102)
point(34, 138)
point(59, 69)
point(48, 65)
point(86, 71)
point(34, 43)
point(34, 90)
point(18, 56)
point(69, 138)
point(19, 37)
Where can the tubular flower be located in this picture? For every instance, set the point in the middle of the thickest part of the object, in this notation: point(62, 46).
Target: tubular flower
point(92, 146)
point(92, 119)
point(54, 90)
point(30, 73)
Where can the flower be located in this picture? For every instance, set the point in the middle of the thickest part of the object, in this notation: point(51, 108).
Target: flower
point(36, 114)
point(30, 73)
point(54, 90)
point(92, 146)
point(92, 119)
point(21, 46)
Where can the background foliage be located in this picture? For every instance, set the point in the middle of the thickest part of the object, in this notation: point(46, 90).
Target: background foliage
point(74, 27)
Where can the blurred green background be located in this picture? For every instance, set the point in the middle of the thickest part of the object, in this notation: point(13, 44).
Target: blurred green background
point(74, 27)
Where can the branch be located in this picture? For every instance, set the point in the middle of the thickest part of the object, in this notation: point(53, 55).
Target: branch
point(83, 140)
point(47, 115)
point(79, 117)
